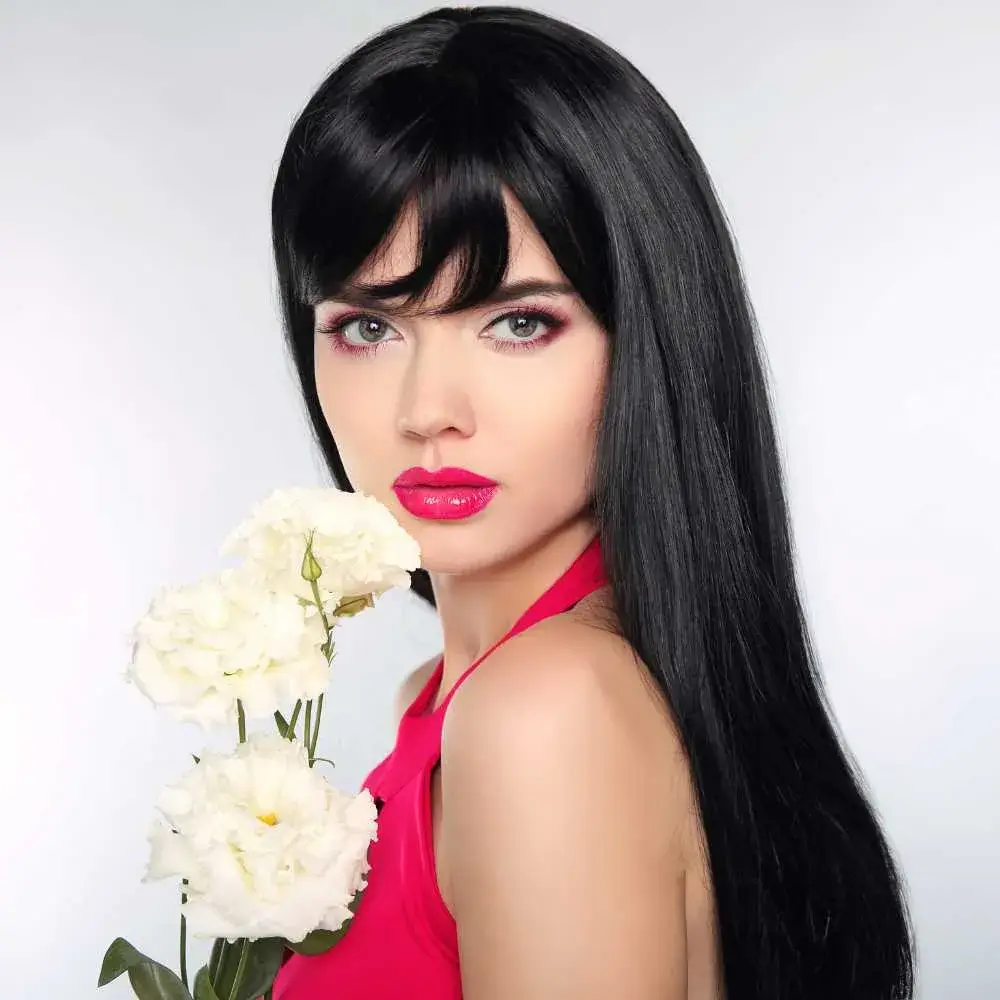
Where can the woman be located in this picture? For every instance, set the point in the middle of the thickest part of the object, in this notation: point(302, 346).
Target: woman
point(519, 321)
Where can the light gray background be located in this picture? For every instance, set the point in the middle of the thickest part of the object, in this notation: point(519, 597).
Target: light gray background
point(145, 403)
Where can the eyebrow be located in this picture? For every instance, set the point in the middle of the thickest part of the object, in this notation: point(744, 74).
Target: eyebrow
point(507, 292)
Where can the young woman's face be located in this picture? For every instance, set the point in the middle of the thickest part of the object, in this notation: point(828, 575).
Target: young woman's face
point(509, 391)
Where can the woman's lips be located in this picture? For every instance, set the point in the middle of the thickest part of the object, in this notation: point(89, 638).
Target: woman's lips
point(443, 495)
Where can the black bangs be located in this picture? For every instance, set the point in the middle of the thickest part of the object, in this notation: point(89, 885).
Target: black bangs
point(462, 218)
point(445, 128)
point(409, 140)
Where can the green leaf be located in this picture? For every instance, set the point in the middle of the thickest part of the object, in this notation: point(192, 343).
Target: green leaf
point(321, 941)
point(318, 942)
point(290, 733)
point(203, 989)
point(222, 963)
point(197, 760)
point(351, 606)
point(149, 979)
point(263, 962)
point(281, 723)
point(213, 958)
point(262, 967)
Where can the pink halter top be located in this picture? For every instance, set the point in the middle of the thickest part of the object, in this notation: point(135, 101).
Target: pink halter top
point(403, 942)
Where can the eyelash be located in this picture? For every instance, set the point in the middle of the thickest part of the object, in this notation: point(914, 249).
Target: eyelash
point(333, 330)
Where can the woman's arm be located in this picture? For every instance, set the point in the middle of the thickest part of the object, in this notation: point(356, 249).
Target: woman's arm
point(564, 826)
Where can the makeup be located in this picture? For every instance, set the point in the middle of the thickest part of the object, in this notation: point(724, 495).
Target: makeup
point(364, 333)
point(448, 494)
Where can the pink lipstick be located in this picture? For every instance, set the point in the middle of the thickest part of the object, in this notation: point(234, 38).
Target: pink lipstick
point(445, 494)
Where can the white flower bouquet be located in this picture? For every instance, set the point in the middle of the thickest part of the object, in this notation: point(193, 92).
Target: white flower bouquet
point(269, 855)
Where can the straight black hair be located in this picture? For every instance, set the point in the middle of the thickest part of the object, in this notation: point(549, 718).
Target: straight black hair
point(444, 112)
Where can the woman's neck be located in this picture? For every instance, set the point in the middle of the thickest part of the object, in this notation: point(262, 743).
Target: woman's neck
point(477, 610)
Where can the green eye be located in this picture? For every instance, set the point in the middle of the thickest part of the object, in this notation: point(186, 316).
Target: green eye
point(523, 326)
point(364, 330)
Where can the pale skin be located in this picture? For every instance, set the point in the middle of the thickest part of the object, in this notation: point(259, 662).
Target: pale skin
point(567, 841)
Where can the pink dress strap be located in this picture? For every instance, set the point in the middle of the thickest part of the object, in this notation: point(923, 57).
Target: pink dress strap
point(419, 736)
point(585, 575)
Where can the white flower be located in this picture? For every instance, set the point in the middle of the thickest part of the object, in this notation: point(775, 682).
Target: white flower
point(269, 848)
point(361, 548)
point(201, 647)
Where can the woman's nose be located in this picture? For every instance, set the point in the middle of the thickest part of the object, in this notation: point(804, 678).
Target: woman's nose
point(435, 394)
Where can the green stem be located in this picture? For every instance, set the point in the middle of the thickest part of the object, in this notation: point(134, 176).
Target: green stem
point(294, 719)
point(312, 739)
point(318, 601)
point(307, 730)
point(242, 720)
point(319, 716)
point(184, 965)
point(240, 969)
point(312, 728)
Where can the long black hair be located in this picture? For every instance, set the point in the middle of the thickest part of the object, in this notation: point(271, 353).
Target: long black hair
point(446, 110)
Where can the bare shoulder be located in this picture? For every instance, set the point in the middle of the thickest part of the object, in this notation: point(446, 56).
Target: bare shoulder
point(411, 685)
point(561, 769)
point(569, 675)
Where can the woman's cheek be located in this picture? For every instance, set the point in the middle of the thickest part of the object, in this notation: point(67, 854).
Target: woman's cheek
point(337, 404)
point(364, 438)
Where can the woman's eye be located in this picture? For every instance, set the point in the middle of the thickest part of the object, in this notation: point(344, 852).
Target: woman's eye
point(521, 326)
point(363, 331)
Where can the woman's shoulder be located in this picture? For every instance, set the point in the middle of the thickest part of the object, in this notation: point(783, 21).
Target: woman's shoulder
point(560, 770)
point(573, 680)
point(580, 654)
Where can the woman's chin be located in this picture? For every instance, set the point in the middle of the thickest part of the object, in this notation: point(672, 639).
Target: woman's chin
point(453, 563)
point(464, 554)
